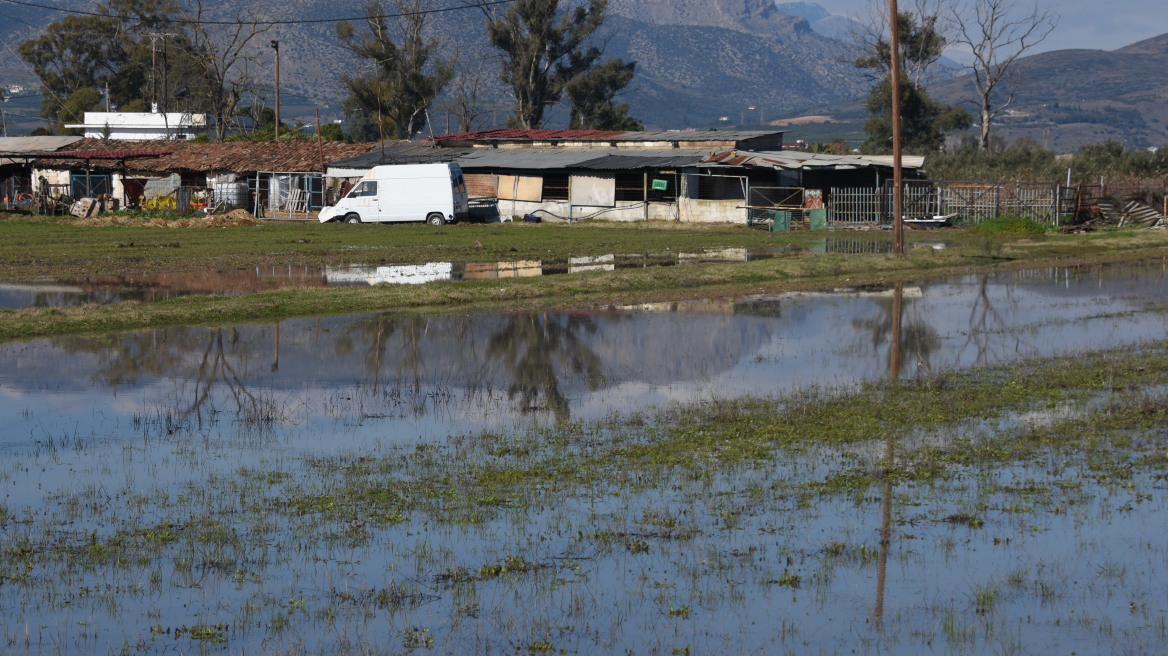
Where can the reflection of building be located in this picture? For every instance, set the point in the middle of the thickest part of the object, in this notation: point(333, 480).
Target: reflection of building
point(491, 270)
point(596, 263)
point(405, 274)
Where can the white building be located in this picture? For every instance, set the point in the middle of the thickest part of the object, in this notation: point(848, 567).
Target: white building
point(144, 126)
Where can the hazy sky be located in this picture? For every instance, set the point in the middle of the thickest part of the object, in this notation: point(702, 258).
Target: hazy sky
point(1090, 24)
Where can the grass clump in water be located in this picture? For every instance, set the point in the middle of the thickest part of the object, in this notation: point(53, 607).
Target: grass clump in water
point(1012, 225)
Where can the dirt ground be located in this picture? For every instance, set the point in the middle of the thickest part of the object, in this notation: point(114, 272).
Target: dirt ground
point(230, 219)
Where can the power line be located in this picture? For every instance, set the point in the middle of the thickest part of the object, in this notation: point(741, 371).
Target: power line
point(189, 21)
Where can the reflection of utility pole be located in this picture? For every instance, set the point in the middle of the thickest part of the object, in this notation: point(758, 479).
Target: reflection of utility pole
point(276, 47)
point(276, 351)
point(889, 460)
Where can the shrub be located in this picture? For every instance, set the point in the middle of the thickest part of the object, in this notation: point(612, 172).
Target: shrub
point(1010, 225)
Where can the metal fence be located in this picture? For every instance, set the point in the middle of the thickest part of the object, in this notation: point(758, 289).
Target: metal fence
point(971, 202)
point(777, 205)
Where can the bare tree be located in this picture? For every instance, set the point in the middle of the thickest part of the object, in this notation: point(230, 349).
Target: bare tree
point(997, 33)
point(465, 94)
point(221, 56)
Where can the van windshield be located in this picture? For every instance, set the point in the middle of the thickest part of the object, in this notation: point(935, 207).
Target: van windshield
point(366, 188)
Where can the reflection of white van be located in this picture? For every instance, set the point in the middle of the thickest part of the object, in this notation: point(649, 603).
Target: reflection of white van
point(434, 193)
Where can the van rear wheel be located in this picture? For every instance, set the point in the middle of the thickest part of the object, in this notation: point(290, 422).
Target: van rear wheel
point(436, 219)
point(352, 218)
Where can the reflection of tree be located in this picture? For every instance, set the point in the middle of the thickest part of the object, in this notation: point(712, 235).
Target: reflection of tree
point(536, 349)
point(124, 358)
point(917, 340)
point(984, 321)
point(215, 366)
point(380, 331)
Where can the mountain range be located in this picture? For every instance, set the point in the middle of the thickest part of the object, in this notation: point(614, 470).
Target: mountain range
point(711, 63)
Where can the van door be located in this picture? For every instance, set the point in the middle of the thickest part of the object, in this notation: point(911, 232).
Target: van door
point(363, 201)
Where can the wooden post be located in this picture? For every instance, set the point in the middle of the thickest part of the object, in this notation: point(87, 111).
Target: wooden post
point(276, 47)
point(897, 181)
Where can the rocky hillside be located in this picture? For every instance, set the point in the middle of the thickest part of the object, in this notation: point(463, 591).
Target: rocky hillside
point(698, 60)
point(1067, 98)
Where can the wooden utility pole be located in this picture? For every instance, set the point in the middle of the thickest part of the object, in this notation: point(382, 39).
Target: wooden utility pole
point(276, 47)
point(894, 83)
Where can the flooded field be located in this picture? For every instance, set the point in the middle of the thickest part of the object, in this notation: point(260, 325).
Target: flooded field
point(726, 475)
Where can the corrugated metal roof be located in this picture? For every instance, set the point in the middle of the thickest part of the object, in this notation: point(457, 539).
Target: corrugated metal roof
point(797, 159)
point(511, 134)
point(610, 159)
point(400, 153)
point(26, 146)
point(665, 159)
point(35, 144)
point(519, 134)
point(576, 158)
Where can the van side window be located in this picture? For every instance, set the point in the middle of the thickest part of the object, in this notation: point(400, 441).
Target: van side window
point(366, 188)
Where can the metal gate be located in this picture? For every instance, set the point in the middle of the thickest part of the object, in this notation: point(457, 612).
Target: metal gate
point(971, 202)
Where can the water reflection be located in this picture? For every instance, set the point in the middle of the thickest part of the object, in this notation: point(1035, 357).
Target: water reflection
point(464, 373)
point(164, 286)
point(896, 344)
point(536, 348)
point(196, 435)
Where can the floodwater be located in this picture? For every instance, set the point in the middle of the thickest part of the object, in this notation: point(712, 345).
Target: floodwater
point(101, 436)
point(153, 287)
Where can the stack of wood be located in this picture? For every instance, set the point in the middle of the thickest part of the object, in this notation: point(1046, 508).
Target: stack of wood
point(1132, 212)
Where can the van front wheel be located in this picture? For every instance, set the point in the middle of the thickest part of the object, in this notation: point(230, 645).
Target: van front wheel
point(436, 219)
point(352, 218)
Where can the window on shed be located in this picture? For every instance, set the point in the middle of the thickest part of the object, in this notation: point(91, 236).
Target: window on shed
point(192, 179)
point(663, 187)
point(555, 186)
point(630, 186)
point(711, 187)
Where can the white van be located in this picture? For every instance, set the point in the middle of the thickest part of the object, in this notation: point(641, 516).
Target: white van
point(434, 193)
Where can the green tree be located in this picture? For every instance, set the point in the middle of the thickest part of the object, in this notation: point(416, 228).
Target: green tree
point(73, 108)
point(924, 122)
point(406, 75)
point(334, 132)
point(921, 45)
point(130, 52)
point(591, 98)
point(543, 50)
point(83, 52)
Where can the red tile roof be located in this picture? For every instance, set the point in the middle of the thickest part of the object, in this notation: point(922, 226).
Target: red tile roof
point(235, 156)
point(508, 134)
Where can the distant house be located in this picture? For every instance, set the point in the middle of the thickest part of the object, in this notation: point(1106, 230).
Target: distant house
point(696, 176)
point(143, 126)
